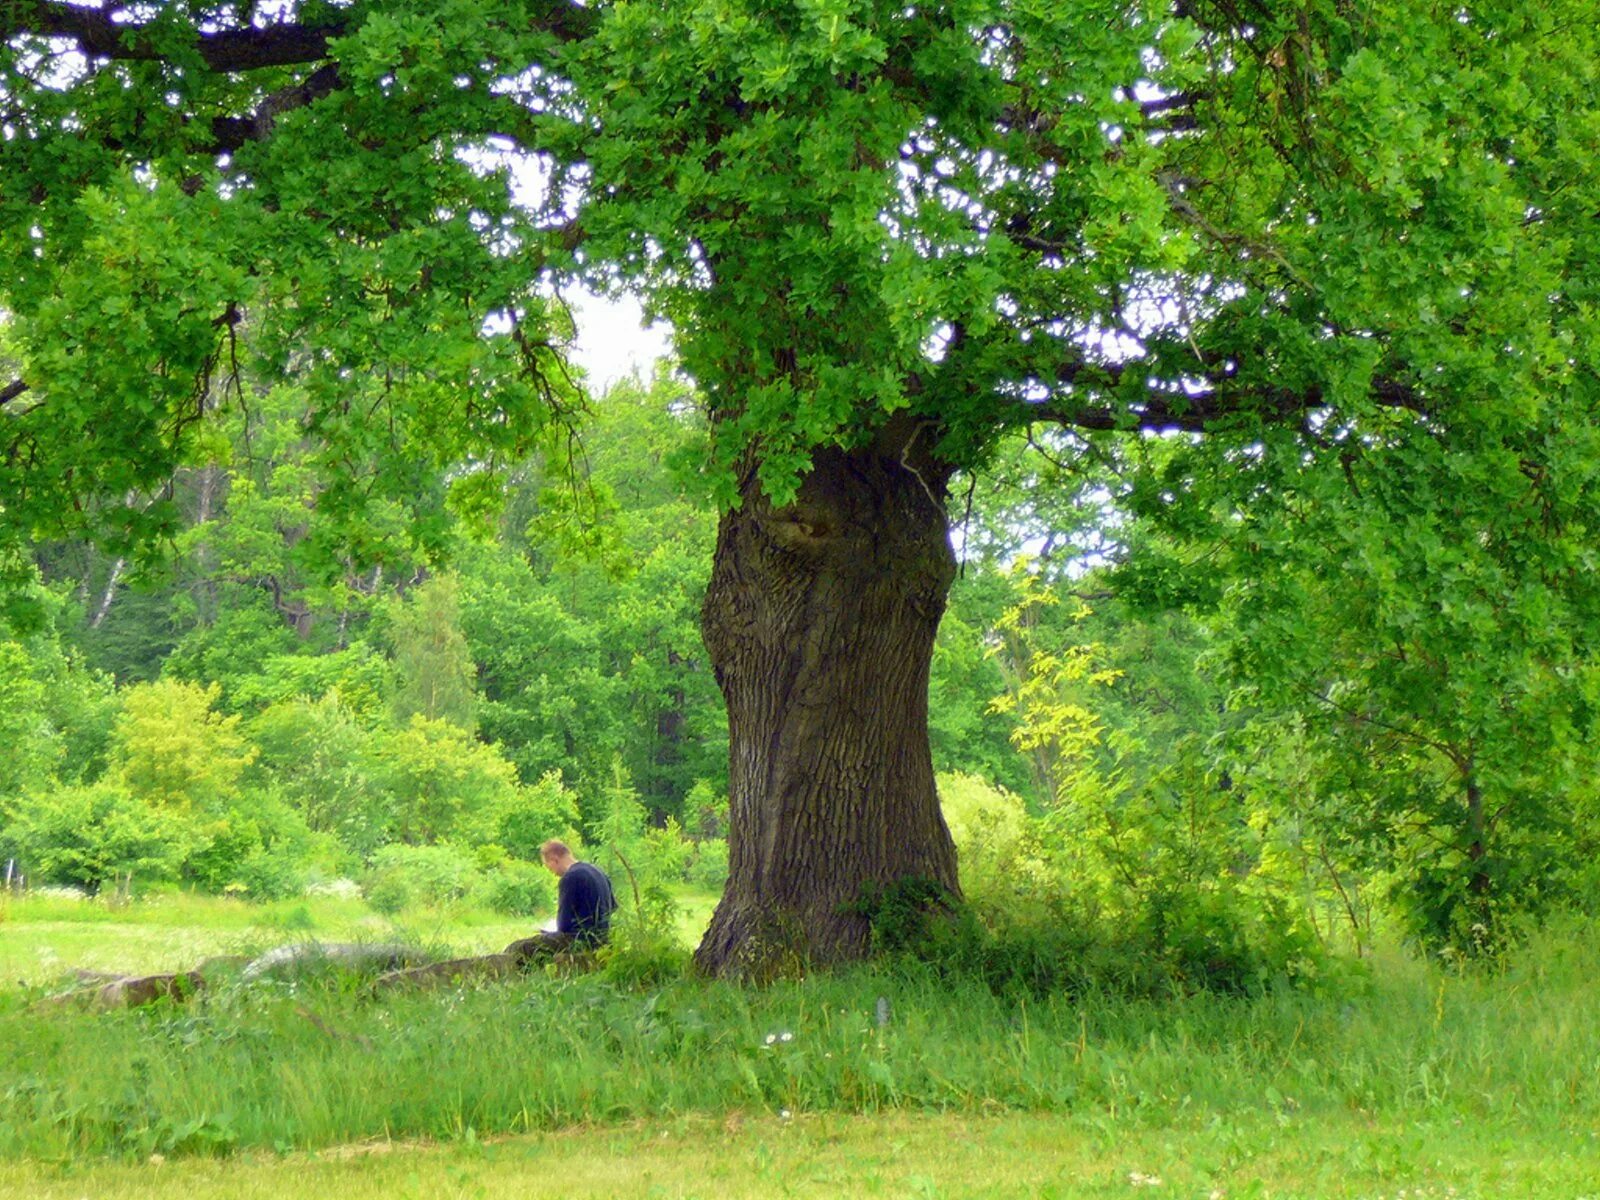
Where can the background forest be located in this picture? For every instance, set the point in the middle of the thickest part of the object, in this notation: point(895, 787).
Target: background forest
point(1209, 762)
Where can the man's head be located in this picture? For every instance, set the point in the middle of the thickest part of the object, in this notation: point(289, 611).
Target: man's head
point(557, 856)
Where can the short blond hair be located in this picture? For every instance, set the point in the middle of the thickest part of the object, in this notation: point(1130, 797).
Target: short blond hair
point(555, 848)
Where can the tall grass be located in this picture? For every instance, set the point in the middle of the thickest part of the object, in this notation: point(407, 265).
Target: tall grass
point(312, 1063)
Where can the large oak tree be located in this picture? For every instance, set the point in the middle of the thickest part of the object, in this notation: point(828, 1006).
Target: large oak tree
point(886, 234)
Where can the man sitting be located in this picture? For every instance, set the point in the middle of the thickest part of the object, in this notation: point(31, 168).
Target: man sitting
point(584, 906)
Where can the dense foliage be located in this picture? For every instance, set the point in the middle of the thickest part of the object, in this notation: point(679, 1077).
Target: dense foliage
point(237, 725)
point(1270, 332)
point(1149, 779)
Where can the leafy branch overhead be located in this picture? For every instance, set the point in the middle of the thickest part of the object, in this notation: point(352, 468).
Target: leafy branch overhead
point(1097, 215)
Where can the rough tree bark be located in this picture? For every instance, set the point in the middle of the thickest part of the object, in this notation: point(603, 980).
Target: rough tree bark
point(820, 620)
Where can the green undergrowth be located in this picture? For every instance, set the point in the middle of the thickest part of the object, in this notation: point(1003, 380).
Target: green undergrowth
point(318, 1062)
point(1044, 940)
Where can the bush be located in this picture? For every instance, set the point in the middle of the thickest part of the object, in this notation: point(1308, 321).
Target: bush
point(1221, 940)
point(402, 875)
point(319, 756)
point(1050, 940)
point(1044, 912)
point(92, 835)
point(998, 844)
point(172, 749)
point(272, 874)
point(705, 811)
point(442, 784)
point(709, 868)
point(534, 815)
point(220, 847)
point(664, 853)
point(24, 729)
point(645, 948)
point(518, 889)
point(390, 893)
point(260, 845)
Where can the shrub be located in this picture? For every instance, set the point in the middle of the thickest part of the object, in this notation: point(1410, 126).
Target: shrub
point(518, 889)
point(664, 853)
point(420, 874)
point(259, 845)
point(533, 815)
point(319, 756)
point(705, 811)
point(390, 893)
point(90, 835)
point(1050, 939)
point(1044, 912)
point(1221, 940)
point(998, 843)
point(24, 729)
point(271, 874)
point(219, 848)
point(709, 867)
point(645, 948)
point(171, 749)
point(442, 784)
point(55, 716)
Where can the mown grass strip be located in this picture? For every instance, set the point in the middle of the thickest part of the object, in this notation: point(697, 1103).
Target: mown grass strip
point(1256, 1157)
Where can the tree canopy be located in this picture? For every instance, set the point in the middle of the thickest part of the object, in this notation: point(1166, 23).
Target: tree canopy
point(984, 215)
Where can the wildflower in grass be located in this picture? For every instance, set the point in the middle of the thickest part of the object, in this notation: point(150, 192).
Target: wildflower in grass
point(1140, 1179)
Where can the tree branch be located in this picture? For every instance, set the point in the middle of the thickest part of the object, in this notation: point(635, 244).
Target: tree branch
point(1171, 114)
point(1164, 114)
point(1176, 101)
point(1196, 411)
point(231, 133)
point(243, 49)
point(99, 36)
point(12, 390)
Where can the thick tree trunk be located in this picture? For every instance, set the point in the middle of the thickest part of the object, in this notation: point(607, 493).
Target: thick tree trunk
point(820, 620)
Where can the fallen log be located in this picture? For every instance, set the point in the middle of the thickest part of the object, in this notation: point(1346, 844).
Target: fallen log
point(450, 972)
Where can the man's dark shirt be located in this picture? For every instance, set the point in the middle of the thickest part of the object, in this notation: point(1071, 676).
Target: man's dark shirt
point(585, 904)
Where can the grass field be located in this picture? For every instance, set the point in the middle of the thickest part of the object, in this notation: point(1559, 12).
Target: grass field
point(41, 938)
point(892, 1155)
point(1423, 1083)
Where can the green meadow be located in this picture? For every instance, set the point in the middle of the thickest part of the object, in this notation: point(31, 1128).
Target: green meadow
point(1409, 1078)
point(42, 936)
